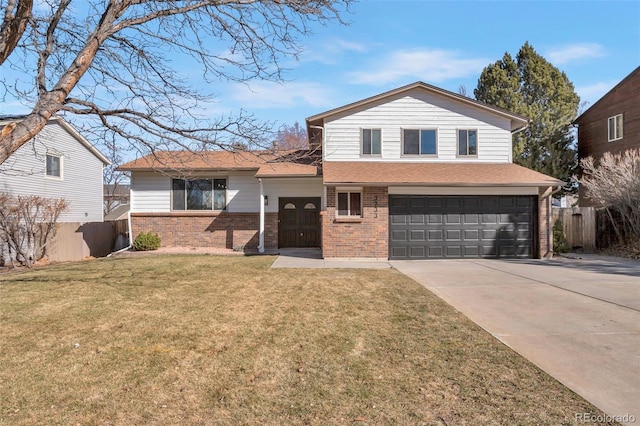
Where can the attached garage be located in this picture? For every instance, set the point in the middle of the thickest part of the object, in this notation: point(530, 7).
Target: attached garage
point(462, 226)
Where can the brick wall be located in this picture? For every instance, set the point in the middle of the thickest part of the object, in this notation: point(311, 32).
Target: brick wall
point(545, 243)
point(208, 229)
point(360, 237)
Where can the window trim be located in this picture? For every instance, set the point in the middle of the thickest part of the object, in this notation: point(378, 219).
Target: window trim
point(420, 154)
point(349, 191)
point(458, 155)
point(213, 194)
point(362, 129)
point(61, 167)
point(617, 134)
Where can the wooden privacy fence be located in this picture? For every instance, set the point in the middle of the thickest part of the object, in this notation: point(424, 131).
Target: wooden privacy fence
point(579, 224)
point(76, 241)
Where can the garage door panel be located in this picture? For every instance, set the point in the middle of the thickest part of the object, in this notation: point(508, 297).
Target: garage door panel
point(471, 219)
point(471, 234)
point(453, 218)
point(435, 219)
point(435, 235)
point(398, 219)
point(453, 235)
point(416, 219)
point(399, 252)
point(399, 235)
point(417, 235)
point(417, 252)
point(453, 251)
point(435, 252)
point(461, 226)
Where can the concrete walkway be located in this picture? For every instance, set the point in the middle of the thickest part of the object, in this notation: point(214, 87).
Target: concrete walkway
point(312, 258)
point(577, 319)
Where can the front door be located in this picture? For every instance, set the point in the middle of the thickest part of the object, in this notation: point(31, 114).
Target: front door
point(299, 222)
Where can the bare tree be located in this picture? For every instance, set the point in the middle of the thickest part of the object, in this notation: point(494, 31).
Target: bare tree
point(614, 183)
point(112, 60)
point(292, 137)
point(27, 225)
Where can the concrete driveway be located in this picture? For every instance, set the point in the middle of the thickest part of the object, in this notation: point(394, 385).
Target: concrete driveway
point(577, 319)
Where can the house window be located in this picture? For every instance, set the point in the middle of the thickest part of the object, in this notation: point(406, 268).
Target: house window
point(54, 166)
point(467, 142)
point(349, 204)
point(371, 141)
point(420, 142)
point(615, 127)
point(199, 194)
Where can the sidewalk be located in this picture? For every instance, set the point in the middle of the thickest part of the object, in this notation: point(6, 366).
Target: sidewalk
point(312, 258)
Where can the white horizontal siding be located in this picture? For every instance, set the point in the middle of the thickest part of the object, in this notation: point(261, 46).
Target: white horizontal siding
point(81, 184)
point(290, 187)
point(150, 192)
point(468, 190)
point(417, 109)
point(243, 192)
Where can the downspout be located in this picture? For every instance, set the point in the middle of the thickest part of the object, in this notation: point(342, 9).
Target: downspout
point(261, 231)
point(130, 236)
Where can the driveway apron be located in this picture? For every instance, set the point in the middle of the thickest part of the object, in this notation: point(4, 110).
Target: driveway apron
point(577, 319)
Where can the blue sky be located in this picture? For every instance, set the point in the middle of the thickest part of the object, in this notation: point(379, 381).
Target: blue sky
point(392, 43)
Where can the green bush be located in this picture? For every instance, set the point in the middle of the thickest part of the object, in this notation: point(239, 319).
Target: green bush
point(146, 241)
point(560, 243)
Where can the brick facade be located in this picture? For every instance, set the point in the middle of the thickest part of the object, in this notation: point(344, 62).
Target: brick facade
point(239, 231)
point(545, 241)
point(365, 237)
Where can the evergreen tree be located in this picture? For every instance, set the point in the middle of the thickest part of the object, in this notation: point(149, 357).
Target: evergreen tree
point(533, 87)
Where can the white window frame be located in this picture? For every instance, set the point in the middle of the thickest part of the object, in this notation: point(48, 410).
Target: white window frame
point(458, 143)
point(613, 128)
point(349, 191)
point(371, 129)
point(420, 154)
point(61, 168)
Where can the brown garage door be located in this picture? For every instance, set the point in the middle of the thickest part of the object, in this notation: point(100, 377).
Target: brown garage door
point(436, 227)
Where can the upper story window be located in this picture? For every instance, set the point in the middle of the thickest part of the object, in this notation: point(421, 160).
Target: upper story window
point(199, 194)
point(371, 141)
point(467, 142)
point(349, 203)
point(54, 166)
point(419, 142)
point(615, 127)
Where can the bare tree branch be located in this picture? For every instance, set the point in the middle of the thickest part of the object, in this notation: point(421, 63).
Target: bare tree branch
point(14, 23)
point(112, 60)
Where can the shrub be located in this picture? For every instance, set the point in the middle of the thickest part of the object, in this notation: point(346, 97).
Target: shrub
point(560, 243)
point(146, 241)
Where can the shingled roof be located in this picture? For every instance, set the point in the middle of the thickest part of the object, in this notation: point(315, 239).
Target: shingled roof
point(433, 174)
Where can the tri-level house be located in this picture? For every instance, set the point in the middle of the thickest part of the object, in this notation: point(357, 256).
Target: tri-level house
point(612, 124)
point(414, 173)
point(57, 163)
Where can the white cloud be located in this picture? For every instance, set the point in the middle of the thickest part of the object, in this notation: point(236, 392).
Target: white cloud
point(267, 94)
point(593, 92)
point(428, 65)
point(572, 52)
point(332, 51)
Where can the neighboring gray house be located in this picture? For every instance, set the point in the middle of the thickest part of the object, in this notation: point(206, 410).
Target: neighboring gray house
point(57, 163)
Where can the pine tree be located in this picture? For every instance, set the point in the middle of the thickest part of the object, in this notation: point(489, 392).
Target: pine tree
point(533, 87)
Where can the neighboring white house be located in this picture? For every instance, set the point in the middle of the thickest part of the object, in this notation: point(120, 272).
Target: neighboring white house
point(57, 163)
point(414, 173)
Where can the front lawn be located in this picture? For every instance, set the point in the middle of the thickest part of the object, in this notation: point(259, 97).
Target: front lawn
point(227, 340)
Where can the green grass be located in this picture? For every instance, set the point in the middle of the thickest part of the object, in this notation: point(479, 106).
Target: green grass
point(227, 340)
